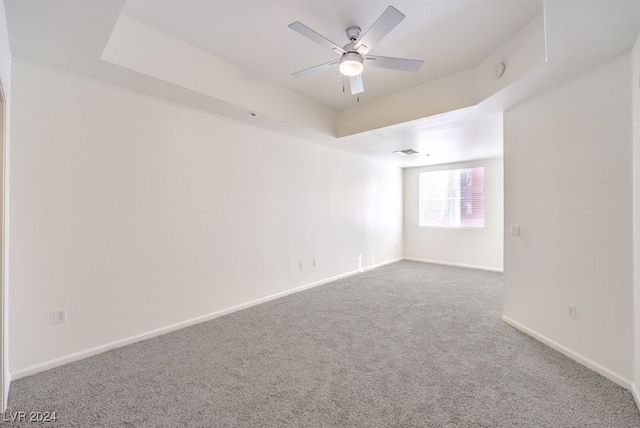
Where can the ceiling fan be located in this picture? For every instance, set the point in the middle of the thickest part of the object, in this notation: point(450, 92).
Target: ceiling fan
point(355, 54)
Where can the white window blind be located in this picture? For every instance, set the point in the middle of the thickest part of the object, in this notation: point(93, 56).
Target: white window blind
point(452, 198)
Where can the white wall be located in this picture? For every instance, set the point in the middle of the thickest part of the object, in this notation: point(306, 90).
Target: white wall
point(568, 184)
point(635, 91)
point(466, 247)
point(136, 214)
point(5, 82)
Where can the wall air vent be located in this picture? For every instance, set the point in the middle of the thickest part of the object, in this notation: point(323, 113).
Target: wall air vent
point(405, 152)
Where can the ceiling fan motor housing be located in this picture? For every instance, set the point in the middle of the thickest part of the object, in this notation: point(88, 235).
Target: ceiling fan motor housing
point(350, 47)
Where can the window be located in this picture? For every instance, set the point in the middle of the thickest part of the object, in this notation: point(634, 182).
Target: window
point(452, 198)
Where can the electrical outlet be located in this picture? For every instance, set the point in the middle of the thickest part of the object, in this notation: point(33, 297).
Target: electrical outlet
point(301, 265)
point(515, 230)
point(59, 316)
point(315, 262)
point(571, 311)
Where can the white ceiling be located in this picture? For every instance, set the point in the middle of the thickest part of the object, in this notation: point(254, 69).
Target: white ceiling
point(450, 36)
point(239, 56)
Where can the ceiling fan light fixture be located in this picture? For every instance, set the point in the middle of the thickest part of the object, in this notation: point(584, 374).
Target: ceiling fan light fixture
point(351, 64)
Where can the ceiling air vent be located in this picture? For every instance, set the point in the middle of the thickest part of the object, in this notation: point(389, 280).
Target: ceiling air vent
point(405, 152)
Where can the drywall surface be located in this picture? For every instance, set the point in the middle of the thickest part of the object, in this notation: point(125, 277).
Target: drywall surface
point(523, 53)
point(635, 96)
point(134, 214)
point(568, 185)
point(5, 54)
point(480, 248)
point(5, 82)
point(140, 47)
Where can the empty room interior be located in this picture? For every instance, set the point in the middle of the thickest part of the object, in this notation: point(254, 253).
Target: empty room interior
point(248, 187)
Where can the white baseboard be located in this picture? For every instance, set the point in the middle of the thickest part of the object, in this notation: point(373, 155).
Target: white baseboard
point(6, 386)
point(636, 394)
point(437, 262)
point(36, 368)
point(609, 374)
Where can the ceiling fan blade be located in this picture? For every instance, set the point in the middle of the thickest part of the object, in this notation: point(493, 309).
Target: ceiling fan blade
point(356, 84)
point(316, 68)
point(387, 22)
point(316, 37)
point(402, 64)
